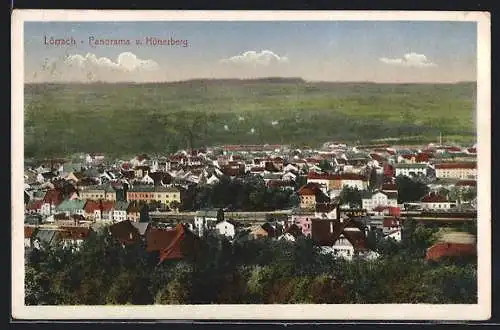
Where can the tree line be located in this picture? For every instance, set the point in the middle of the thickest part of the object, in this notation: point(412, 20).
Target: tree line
point(261, 271)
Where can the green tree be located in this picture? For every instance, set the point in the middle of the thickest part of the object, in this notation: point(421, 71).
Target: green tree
point(351, 196)
point(409, 190)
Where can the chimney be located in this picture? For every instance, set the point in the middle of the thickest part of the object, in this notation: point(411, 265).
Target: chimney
point(331, 227)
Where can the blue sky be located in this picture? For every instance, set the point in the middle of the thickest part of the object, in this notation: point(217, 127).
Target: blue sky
point(387, 51)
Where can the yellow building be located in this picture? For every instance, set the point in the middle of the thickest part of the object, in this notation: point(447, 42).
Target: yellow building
point(164, 195)
point(99, 192)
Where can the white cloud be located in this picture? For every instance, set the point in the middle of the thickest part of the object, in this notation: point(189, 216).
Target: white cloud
point(263, 58)
point(126, 67)
point(126, 62)
point(409, 60)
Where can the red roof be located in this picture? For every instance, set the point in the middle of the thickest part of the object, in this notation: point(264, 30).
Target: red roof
point(377, 157)
point(464, 183)
point(453, 148)
point(107, 205)
point(28, 232)
point(343, 176)
point(34, 205)
point(313, 160)
point(91, 206)
point(169, 243)
point(380, 208)
point(53, 196)
point(257, 169)
point(389, 186)
point(434, 198)
point(472, 150)
point(391, 222)
point(469, 165)
point(73, 233)
point(440, 250)
point(422, 157)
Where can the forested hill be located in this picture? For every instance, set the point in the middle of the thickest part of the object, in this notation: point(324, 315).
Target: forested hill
point(128, 117)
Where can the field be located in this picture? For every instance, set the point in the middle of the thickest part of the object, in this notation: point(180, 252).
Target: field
point(128, 118)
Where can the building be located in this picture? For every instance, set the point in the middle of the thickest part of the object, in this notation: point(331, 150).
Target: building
point(466, 170)
point(303, 220)
point(133, 212)
point(371, 201)
point(410, 169)
point(226, 228)
point(448, 249)
point(310, 194)
point(98, 192)
point(71, 207)
point(329, 182)
point(206, 219)
point(147, 194)
point(120, 211)
point(343, 238)
point(434, 201)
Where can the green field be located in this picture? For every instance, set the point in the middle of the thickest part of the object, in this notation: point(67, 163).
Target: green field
point(129, 118)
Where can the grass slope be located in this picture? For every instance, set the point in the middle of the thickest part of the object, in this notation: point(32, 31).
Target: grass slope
point(127, 117)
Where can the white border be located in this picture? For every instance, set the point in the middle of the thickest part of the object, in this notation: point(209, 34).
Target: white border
point(481, 311)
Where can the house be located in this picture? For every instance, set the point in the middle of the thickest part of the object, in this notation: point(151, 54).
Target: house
point(72, 236)
point(327, 210)
point(449, 249)
point(265, 230)
point(141, 171)
point(344, 238)
point(124, 232)
point(146, 179)
point(434, 201)
point(98, 192)
point(71, 207)
point(390, 224)
point(34, 207)
point(465, 170)
point(226, 228)
point(50, 201)
point(133, 212)
point(410, 169)
point(206, 219)
point(310, 194)
point(120, 211)
point(172, 244)
point(142, 227)
point(92, 210)
point(338, 181)
point(379, 198)
point(147, 194)
point(107, 208)
point(43, 236)
point(28, 233)
point(291, 234)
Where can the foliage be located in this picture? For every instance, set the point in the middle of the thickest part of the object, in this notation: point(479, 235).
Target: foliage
point(103, 271)
point(351, 196)
point(410, 190)
point(247, 193)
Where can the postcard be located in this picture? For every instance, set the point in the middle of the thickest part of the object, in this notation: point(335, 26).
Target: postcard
point(251, 165)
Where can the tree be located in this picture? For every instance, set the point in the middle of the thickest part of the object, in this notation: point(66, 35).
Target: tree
point(351, 196)
point(325, 165)
point(409, 190)
point(373, 182)
point(144, 214)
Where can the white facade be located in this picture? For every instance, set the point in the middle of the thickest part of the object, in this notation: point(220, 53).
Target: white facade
point(202, 223)
point(407, 171)
point(378, 199)
point(437, 205)
point(147, 180)
point(395, 234)
point(225, 228)
point(456, 173)
point(119, 215)
point(47, 209)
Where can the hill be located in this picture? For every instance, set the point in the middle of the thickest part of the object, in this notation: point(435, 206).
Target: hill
point(157, 117)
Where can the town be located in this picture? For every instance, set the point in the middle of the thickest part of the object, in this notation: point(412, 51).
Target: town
point(335, 195)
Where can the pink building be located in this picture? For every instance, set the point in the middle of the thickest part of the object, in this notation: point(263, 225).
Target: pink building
point(303, 221)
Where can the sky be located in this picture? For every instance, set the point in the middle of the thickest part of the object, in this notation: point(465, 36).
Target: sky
point(376, 51)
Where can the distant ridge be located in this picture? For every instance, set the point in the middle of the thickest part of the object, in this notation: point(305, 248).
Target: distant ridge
point(241, 81)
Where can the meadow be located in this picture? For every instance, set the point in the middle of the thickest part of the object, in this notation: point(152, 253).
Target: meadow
point(128, 117)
